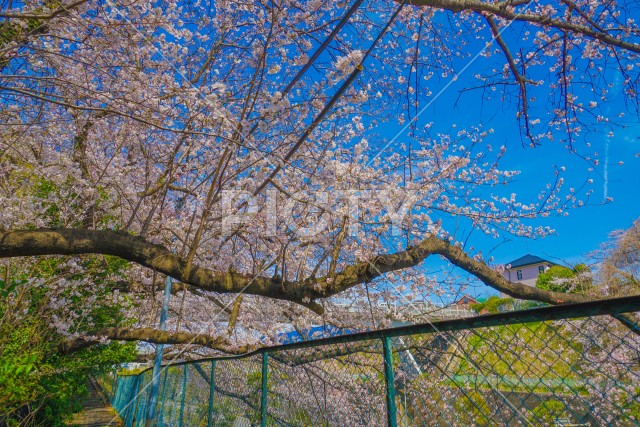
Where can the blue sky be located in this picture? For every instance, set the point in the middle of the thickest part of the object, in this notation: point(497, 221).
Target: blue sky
point(584, 229)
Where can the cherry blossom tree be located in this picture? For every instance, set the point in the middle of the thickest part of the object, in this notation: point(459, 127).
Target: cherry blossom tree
point(184, 139)
point(619, 267)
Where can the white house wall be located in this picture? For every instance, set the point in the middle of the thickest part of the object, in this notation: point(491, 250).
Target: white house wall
point(529, 274)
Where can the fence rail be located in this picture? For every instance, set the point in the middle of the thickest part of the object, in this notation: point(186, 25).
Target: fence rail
point(575, 365)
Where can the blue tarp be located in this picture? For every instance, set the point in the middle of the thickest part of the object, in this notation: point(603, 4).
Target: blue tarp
point(314, 333)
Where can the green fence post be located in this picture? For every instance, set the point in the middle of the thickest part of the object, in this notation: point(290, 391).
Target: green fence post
point(164, 394)
point(212, 389)
point(114, 385)
point(389, 380)
point(265, 379)
point(184, 394)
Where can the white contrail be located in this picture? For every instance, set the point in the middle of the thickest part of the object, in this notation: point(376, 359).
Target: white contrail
point(606, 168)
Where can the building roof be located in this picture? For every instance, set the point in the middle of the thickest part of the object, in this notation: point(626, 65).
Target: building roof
point(528, 259)
point(466, 300)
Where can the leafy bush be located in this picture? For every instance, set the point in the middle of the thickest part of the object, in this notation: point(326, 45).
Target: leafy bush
point(492, 305)
point(563, 279)
point(39, 379)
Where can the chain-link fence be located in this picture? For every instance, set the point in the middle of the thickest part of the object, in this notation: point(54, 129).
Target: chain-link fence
point(575, 365)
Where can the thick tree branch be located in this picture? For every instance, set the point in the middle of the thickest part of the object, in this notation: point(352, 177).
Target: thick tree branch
point(304, 292)
point(492, 278)
point(63, 9)
point(432, 245)
point(67, 241)
point(155, 336)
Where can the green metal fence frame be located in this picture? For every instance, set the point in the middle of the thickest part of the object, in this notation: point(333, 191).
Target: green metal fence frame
point(212, 390)
point(612, 307)
point(265, 390)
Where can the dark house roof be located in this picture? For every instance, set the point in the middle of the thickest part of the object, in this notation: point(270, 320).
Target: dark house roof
point(528, 259)
point(466, 300)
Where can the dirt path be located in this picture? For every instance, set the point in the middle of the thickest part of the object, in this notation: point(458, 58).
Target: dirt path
point(96, 411)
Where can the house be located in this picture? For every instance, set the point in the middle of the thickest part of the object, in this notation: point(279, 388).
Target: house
point(466, 301)
point(526, 270)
